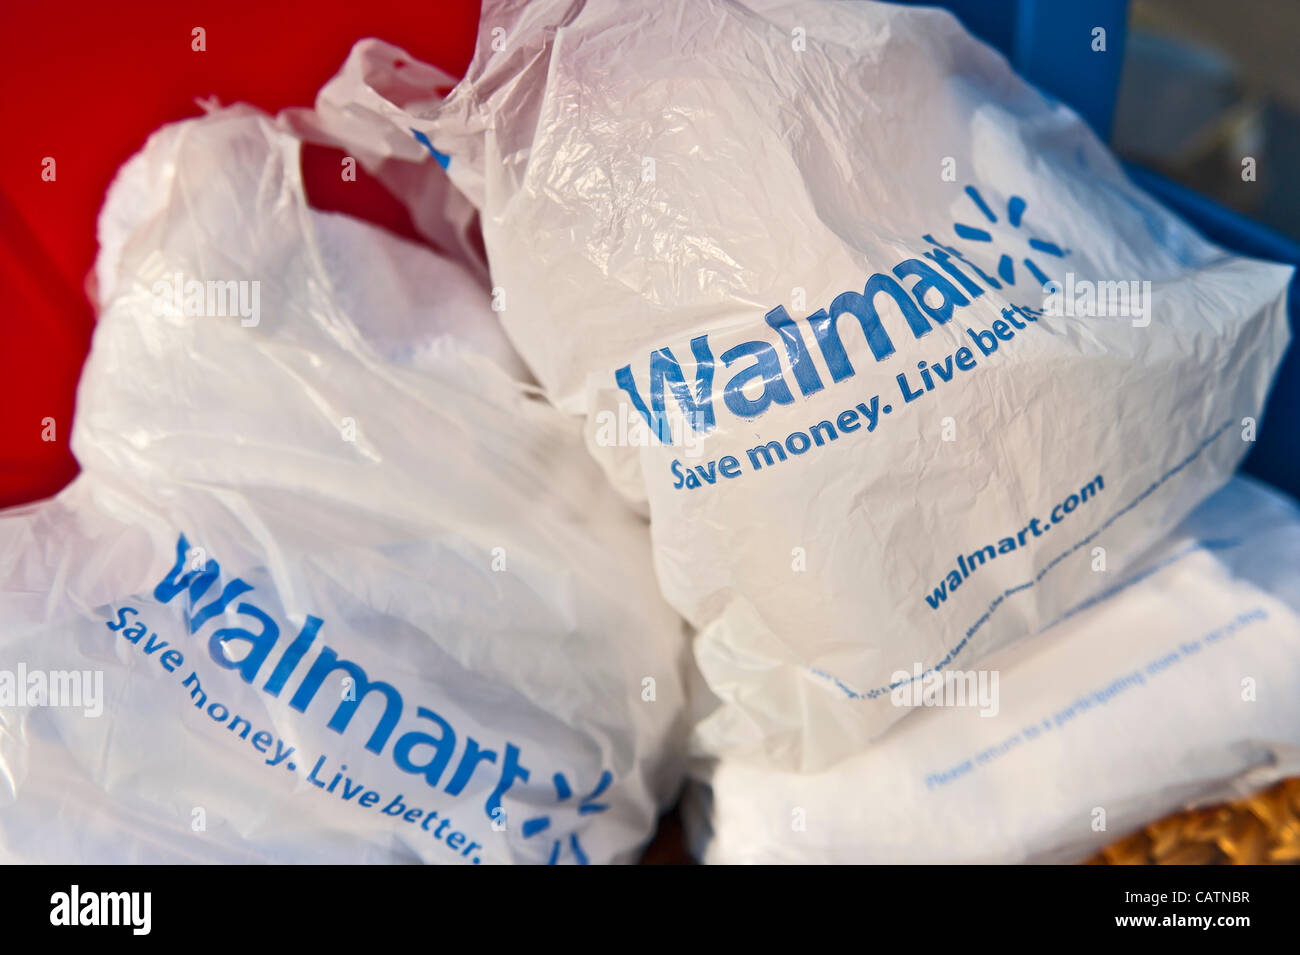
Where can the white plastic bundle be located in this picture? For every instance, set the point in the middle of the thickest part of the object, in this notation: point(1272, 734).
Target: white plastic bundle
point(1176, 686)
point(333, 585)
point(897, 356)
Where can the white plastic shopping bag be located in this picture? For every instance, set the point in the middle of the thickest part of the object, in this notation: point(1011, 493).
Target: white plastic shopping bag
point(333, 585)
point(362, 110)
point(901, 362)
point(1177, 686)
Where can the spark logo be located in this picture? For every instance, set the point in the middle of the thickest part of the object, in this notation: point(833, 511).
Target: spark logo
point(1015, 215)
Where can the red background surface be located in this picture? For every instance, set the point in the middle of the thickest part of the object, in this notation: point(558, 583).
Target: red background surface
point(86, 83)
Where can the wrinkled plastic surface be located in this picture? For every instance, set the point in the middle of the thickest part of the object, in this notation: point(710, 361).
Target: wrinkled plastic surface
point(807, 243)
point(1178, 687)
point(352, 476)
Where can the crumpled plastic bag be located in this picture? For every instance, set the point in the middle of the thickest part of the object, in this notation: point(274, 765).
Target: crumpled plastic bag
point(341, 588)
point(351, 114)
point(1177, 686)
point(901, 363)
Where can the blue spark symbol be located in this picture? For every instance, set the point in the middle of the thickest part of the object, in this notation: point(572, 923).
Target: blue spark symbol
point(586, 806)
point(1015, 212)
